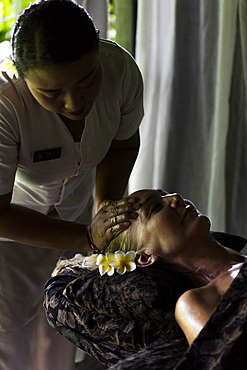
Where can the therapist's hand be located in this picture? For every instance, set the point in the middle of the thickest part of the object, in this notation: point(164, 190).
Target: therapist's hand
point(112, 218)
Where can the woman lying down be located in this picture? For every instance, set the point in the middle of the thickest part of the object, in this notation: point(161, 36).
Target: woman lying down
point(176, 269)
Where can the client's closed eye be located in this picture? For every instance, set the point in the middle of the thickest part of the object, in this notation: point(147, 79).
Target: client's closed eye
point(155, 209)
point(163, 192)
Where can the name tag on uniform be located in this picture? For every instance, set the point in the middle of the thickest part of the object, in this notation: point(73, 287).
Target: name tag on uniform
point(47, 155)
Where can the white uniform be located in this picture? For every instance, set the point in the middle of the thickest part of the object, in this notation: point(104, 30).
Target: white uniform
point(46, 169)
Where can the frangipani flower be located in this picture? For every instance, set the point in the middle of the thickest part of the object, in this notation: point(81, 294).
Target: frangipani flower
point(8, 66)
point(104, 263)
point(123, 262)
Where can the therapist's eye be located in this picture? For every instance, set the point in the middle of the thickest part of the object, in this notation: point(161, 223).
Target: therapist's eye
point(87, 82)
point(51, 96)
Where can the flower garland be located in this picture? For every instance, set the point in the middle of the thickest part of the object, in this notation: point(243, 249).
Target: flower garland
point(119, 261)
point(9, 67)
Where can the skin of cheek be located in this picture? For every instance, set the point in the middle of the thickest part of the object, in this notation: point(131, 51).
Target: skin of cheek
point(198, 229)
point(165, 234)
point(171, 241)
point(82, 95)
point(168, 236)
point(48, 104)
point(149, 240)
point(57, 105)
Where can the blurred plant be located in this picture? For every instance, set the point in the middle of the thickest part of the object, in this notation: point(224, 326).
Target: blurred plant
point(9, 9)
point(112, 21)
point(7, 19)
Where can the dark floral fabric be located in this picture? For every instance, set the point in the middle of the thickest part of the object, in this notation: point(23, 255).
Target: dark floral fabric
point(113, 317)
point(220, 345)
point(127, 321)
point(232, 241)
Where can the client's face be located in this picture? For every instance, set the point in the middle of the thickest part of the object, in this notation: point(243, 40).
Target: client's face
point(167, 224)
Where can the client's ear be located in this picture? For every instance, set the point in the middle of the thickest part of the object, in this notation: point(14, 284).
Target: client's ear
point(144, 260)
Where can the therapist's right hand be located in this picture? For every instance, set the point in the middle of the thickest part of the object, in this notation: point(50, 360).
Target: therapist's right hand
point(112, 218)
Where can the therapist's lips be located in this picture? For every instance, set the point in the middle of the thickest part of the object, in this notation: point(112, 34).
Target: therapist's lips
point(78, 113)
point(84, 111)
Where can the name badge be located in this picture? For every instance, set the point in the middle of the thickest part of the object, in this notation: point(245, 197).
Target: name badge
point(47, 155)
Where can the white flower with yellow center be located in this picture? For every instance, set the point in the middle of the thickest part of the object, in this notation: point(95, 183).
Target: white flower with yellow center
point(104, 263)
point(123, 262)
point(9, 67)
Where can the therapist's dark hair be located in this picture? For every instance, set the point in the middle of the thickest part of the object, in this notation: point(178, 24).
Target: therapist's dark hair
point(51, 32)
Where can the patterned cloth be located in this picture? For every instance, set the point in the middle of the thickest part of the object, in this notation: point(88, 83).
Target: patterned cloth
point(220, 345)
point(112, 318)
point(127, 321)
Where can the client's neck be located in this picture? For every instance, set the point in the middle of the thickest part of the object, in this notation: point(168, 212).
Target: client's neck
point(205, 261)
point(210, 264)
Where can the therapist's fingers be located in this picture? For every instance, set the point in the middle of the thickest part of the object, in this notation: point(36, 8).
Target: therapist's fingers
point(122, 210)
point(105, 203)
point(113, 230)
point(122, 221)
point(111, 219)
point(117, 207)
point(119, 216)
point(122, 207)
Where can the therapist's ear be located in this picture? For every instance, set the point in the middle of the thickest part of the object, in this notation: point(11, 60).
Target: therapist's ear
point(145, 260)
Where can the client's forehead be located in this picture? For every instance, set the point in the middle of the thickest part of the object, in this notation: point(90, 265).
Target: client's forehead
point(146, 198)
point(141, 195)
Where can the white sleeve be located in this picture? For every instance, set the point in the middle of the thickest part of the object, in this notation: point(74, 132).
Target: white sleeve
point(8, 145)
point(132, 102)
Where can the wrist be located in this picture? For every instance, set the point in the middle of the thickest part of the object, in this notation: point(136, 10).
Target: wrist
point(88, 237)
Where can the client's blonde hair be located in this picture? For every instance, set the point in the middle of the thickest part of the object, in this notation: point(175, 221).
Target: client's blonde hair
point(122, 242)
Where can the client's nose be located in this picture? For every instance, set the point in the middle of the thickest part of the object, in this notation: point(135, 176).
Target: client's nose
point(176, 200)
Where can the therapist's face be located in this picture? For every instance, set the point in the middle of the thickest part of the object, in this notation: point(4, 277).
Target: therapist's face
point(68, 89)
point(167, 224)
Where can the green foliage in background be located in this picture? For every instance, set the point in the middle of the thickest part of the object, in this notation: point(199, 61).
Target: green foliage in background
point(112, 21)
point(120, 18)
point(9, 9)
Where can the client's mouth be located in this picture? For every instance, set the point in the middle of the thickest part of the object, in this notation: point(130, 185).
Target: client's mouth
point(187, 210)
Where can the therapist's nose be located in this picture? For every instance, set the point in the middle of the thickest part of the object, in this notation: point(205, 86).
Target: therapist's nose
point(175, 200)
point(72, 102)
